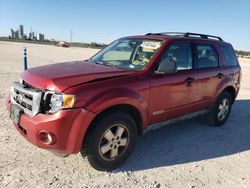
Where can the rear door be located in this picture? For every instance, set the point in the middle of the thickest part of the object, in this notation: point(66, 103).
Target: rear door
point(173, 93)
point(210, 72)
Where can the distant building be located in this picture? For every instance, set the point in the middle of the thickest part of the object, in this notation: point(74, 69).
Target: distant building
point(12, 34)
point(19, 34)
point(41, 37)
point(30, 36)
point(21, 31)
point(16, 35)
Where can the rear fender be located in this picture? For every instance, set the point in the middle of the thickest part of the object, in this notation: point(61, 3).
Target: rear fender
point(226, 82)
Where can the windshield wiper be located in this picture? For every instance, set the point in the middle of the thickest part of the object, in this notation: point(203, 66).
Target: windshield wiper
point(105, 63)
point(110, 64)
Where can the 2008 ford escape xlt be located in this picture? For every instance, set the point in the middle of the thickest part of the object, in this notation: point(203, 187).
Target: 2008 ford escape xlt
point(99, 106)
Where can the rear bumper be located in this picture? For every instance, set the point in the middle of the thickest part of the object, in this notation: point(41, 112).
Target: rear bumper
point(68, 127)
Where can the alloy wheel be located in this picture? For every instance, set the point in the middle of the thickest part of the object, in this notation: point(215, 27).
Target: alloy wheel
point(114, 142)
point(223, 109)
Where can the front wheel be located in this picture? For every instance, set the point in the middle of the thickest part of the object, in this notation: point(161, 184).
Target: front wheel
point(221, 109)
point(110, 142)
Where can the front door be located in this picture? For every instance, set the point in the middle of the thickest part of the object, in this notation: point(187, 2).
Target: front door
point(173, 84)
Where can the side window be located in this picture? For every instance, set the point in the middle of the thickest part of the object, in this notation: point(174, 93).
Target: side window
point(177, 57)
point(229, 55)
point(206, 56)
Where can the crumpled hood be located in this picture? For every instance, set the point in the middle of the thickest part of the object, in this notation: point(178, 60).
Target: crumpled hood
point(60, 76)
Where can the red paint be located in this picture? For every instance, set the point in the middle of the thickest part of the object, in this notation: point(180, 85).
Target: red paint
point(99, 87)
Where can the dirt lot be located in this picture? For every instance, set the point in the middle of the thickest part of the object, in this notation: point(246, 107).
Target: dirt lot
point(187, 154)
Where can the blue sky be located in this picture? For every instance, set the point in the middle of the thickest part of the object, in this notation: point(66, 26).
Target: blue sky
point(105, 21)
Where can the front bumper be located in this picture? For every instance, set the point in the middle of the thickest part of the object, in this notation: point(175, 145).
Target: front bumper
point(68, 126)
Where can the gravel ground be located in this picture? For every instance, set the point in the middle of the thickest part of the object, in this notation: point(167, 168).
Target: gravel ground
point(187, 154)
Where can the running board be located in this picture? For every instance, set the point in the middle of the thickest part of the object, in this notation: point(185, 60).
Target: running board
point(174, 120)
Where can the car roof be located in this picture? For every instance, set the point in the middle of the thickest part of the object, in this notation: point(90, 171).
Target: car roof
point(180, 36)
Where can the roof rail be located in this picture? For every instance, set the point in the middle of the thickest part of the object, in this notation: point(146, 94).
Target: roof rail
point(187, 34)
point(167, 33)
point(202, 36)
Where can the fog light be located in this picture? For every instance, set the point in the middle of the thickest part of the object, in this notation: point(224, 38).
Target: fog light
point(47, 138)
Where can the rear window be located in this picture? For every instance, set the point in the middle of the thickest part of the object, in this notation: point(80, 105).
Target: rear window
point(229, 55)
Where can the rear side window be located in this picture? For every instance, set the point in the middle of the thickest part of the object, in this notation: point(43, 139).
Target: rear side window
point(206, 56)
point(229, 55)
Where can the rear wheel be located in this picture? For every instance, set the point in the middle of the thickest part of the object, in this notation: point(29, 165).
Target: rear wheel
point(110, 142)
point(221, 109)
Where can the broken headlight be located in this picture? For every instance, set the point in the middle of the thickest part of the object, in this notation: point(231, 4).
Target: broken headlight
point(60, 101)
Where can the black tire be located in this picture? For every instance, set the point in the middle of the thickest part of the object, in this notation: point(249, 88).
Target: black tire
point(216, 116)
point(100, 151)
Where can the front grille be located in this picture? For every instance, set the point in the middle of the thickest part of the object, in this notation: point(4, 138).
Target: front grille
point(27, 98)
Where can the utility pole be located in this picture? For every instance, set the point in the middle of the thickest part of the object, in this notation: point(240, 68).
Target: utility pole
point(71, 35)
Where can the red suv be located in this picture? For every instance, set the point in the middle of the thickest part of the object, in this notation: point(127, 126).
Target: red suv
point(99, 106)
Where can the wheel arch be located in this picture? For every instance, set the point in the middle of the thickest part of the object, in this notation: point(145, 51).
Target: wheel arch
point(231, 90)
point(126, 108)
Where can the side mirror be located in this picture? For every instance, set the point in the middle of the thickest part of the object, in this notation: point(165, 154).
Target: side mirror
point(167, 67)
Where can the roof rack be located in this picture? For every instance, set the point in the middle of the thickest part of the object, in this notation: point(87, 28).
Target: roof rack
point(187, 34)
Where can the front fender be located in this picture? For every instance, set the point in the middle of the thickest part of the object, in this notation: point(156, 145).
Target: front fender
point(120, 96)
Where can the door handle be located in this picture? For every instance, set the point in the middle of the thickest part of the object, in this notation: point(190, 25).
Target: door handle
point(220, 75)
point(189, 81)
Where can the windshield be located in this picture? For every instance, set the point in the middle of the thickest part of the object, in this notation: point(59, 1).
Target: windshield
point(131, 54)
